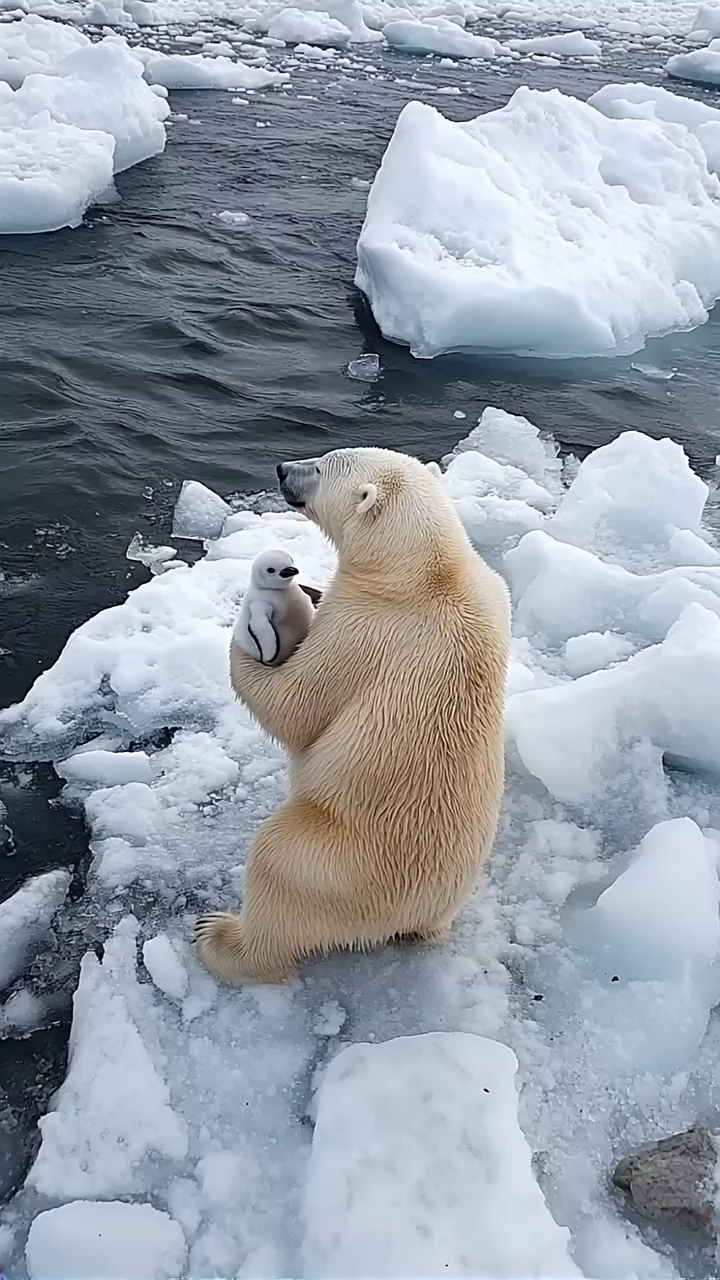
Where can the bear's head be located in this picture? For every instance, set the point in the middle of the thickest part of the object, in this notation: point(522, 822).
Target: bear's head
point(375, 505)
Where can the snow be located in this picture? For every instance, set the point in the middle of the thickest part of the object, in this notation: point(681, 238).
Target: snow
point(633, 477)
point(92, 1240)
point(416, 1122)
point(593, 650)
point(702, 65)
point(25, 918)
point(35, 44)
point(656, 930)
point(438, 35)
point(646, 102)
point(519, 231)
point(588, 951)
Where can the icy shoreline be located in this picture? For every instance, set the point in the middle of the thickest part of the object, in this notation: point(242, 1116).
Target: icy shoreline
point(590, 949)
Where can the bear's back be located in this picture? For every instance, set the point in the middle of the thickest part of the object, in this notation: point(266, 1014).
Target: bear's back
point(420, 730)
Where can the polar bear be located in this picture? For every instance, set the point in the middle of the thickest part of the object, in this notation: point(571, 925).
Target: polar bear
point(391, 711)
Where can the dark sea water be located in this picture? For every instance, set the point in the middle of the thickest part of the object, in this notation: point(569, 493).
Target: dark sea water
point(156, 344)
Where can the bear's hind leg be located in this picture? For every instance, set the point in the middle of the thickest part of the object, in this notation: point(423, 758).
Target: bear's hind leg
point(222, 946)
point(297, 902)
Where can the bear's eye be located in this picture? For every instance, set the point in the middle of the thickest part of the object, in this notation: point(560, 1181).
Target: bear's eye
point(271, 570)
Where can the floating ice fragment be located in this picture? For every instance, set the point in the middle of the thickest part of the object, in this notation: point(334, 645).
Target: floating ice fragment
point(25, 917)
point(654, 374)
point(199, 513)
point(156, 559)
point(365, 369)
point(233, 218)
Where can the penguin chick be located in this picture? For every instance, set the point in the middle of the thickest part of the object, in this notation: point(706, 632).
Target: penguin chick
point(276, 613)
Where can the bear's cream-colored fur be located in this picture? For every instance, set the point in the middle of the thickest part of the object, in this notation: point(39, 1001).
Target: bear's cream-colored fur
point(391, 711)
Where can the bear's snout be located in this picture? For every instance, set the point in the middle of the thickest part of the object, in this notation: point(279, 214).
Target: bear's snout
point(298, 480)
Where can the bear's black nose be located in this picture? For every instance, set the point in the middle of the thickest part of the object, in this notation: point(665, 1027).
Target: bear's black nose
point(281, 470)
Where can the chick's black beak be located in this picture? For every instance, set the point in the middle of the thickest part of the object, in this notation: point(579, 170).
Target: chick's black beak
point(289, 572)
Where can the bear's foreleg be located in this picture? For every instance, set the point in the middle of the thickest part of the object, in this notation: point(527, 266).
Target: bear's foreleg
point(291, 701)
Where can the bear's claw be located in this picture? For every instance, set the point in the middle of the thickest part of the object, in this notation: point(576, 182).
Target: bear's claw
point(205, 925)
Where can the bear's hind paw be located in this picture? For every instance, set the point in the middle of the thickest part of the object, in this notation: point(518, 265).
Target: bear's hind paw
point(221, 945)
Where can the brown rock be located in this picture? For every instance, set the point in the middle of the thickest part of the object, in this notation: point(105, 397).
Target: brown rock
point(674, 1180)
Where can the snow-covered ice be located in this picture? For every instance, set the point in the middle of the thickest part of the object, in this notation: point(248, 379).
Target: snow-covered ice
point(706, 23)
point(650, 102)
point(113, 1114)
point(419, 1166)
point(108, 768)
point(570, 44)
point(74, 113)
point(439, 35)
point(90, 1240)
point(50, 173)
point(634, 494)
point(80, 113)
point(701, 65)
point(661, 914)
point(302, 26)
point(100, 87)
point(35, 44)
point(589, 950)
point(165, 967)
point(575, 737)
point(25, 917)
point(196, 71)
point(543, 228)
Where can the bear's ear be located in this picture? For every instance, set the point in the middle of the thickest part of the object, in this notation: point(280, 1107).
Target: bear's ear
point(368, 498)
point(434, 469)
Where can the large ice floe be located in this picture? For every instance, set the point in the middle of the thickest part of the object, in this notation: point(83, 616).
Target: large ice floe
point(549, 227)
point(415, 1111)
point(700, 64)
